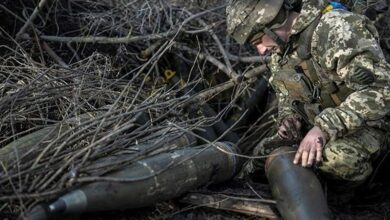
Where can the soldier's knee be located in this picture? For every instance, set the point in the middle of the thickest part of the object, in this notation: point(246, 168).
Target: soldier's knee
point(346, 162)
point(343, 171)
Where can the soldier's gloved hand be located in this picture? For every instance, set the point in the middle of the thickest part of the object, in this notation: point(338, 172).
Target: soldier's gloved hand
point(311, 147)
point(290, 128)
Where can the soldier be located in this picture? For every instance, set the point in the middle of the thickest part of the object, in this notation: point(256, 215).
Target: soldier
point(330, 76)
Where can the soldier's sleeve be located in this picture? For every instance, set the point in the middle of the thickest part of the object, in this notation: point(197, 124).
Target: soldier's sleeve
point(284, 102)
point(284, 108)
point(348, 44)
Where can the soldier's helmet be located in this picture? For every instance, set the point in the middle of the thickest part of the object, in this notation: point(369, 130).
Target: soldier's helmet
point(246, 19)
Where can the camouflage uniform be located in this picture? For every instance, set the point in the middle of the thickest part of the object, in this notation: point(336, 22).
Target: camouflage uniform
point(344, 51)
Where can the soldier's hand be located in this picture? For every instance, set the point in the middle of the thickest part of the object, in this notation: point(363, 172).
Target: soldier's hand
point(310, 148)
point(290, 128)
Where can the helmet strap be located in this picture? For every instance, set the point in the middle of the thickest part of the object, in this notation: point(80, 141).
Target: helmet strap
point(278, 40)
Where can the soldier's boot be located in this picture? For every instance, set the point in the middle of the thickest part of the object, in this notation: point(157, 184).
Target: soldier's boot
point(297, 190)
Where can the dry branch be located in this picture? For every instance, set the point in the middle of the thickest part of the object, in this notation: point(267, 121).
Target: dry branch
point(210, 92)
point(29, 22)
point(108, 40)
point(249, 206)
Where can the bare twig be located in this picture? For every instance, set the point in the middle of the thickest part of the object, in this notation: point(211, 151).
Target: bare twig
point(41, 4)
point(108, 40)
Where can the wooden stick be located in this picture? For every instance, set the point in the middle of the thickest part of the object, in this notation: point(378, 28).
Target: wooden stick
point(210, 92)
point(251, 59)
point(53, 55)
point(127, 39)
point(256, 71)
point(32, 17)
point(231, 73)
point(107, 40)
point(249, 206)
point(228, 65)
point(45, 46)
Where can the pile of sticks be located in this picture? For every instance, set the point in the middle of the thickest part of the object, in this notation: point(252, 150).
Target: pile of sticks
point(81, 80)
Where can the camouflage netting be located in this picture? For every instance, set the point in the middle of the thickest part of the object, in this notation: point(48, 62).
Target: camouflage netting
point(87, 79)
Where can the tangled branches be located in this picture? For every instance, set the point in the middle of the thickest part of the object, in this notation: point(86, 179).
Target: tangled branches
point(85, 91)
point(88, 87)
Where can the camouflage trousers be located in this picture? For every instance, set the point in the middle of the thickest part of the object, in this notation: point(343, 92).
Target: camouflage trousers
point(349, 158)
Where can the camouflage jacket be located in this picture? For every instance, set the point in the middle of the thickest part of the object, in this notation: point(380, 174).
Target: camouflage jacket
point(342, 43)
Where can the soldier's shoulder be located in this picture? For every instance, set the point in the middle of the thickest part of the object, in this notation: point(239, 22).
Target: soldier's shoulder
point(342, 24)
point(335, 17)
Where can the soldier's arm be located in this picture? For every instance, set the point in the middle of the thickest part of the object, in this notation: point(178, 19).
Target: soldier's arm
point(284, 100)
point(284, 108)
point(350, 48)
